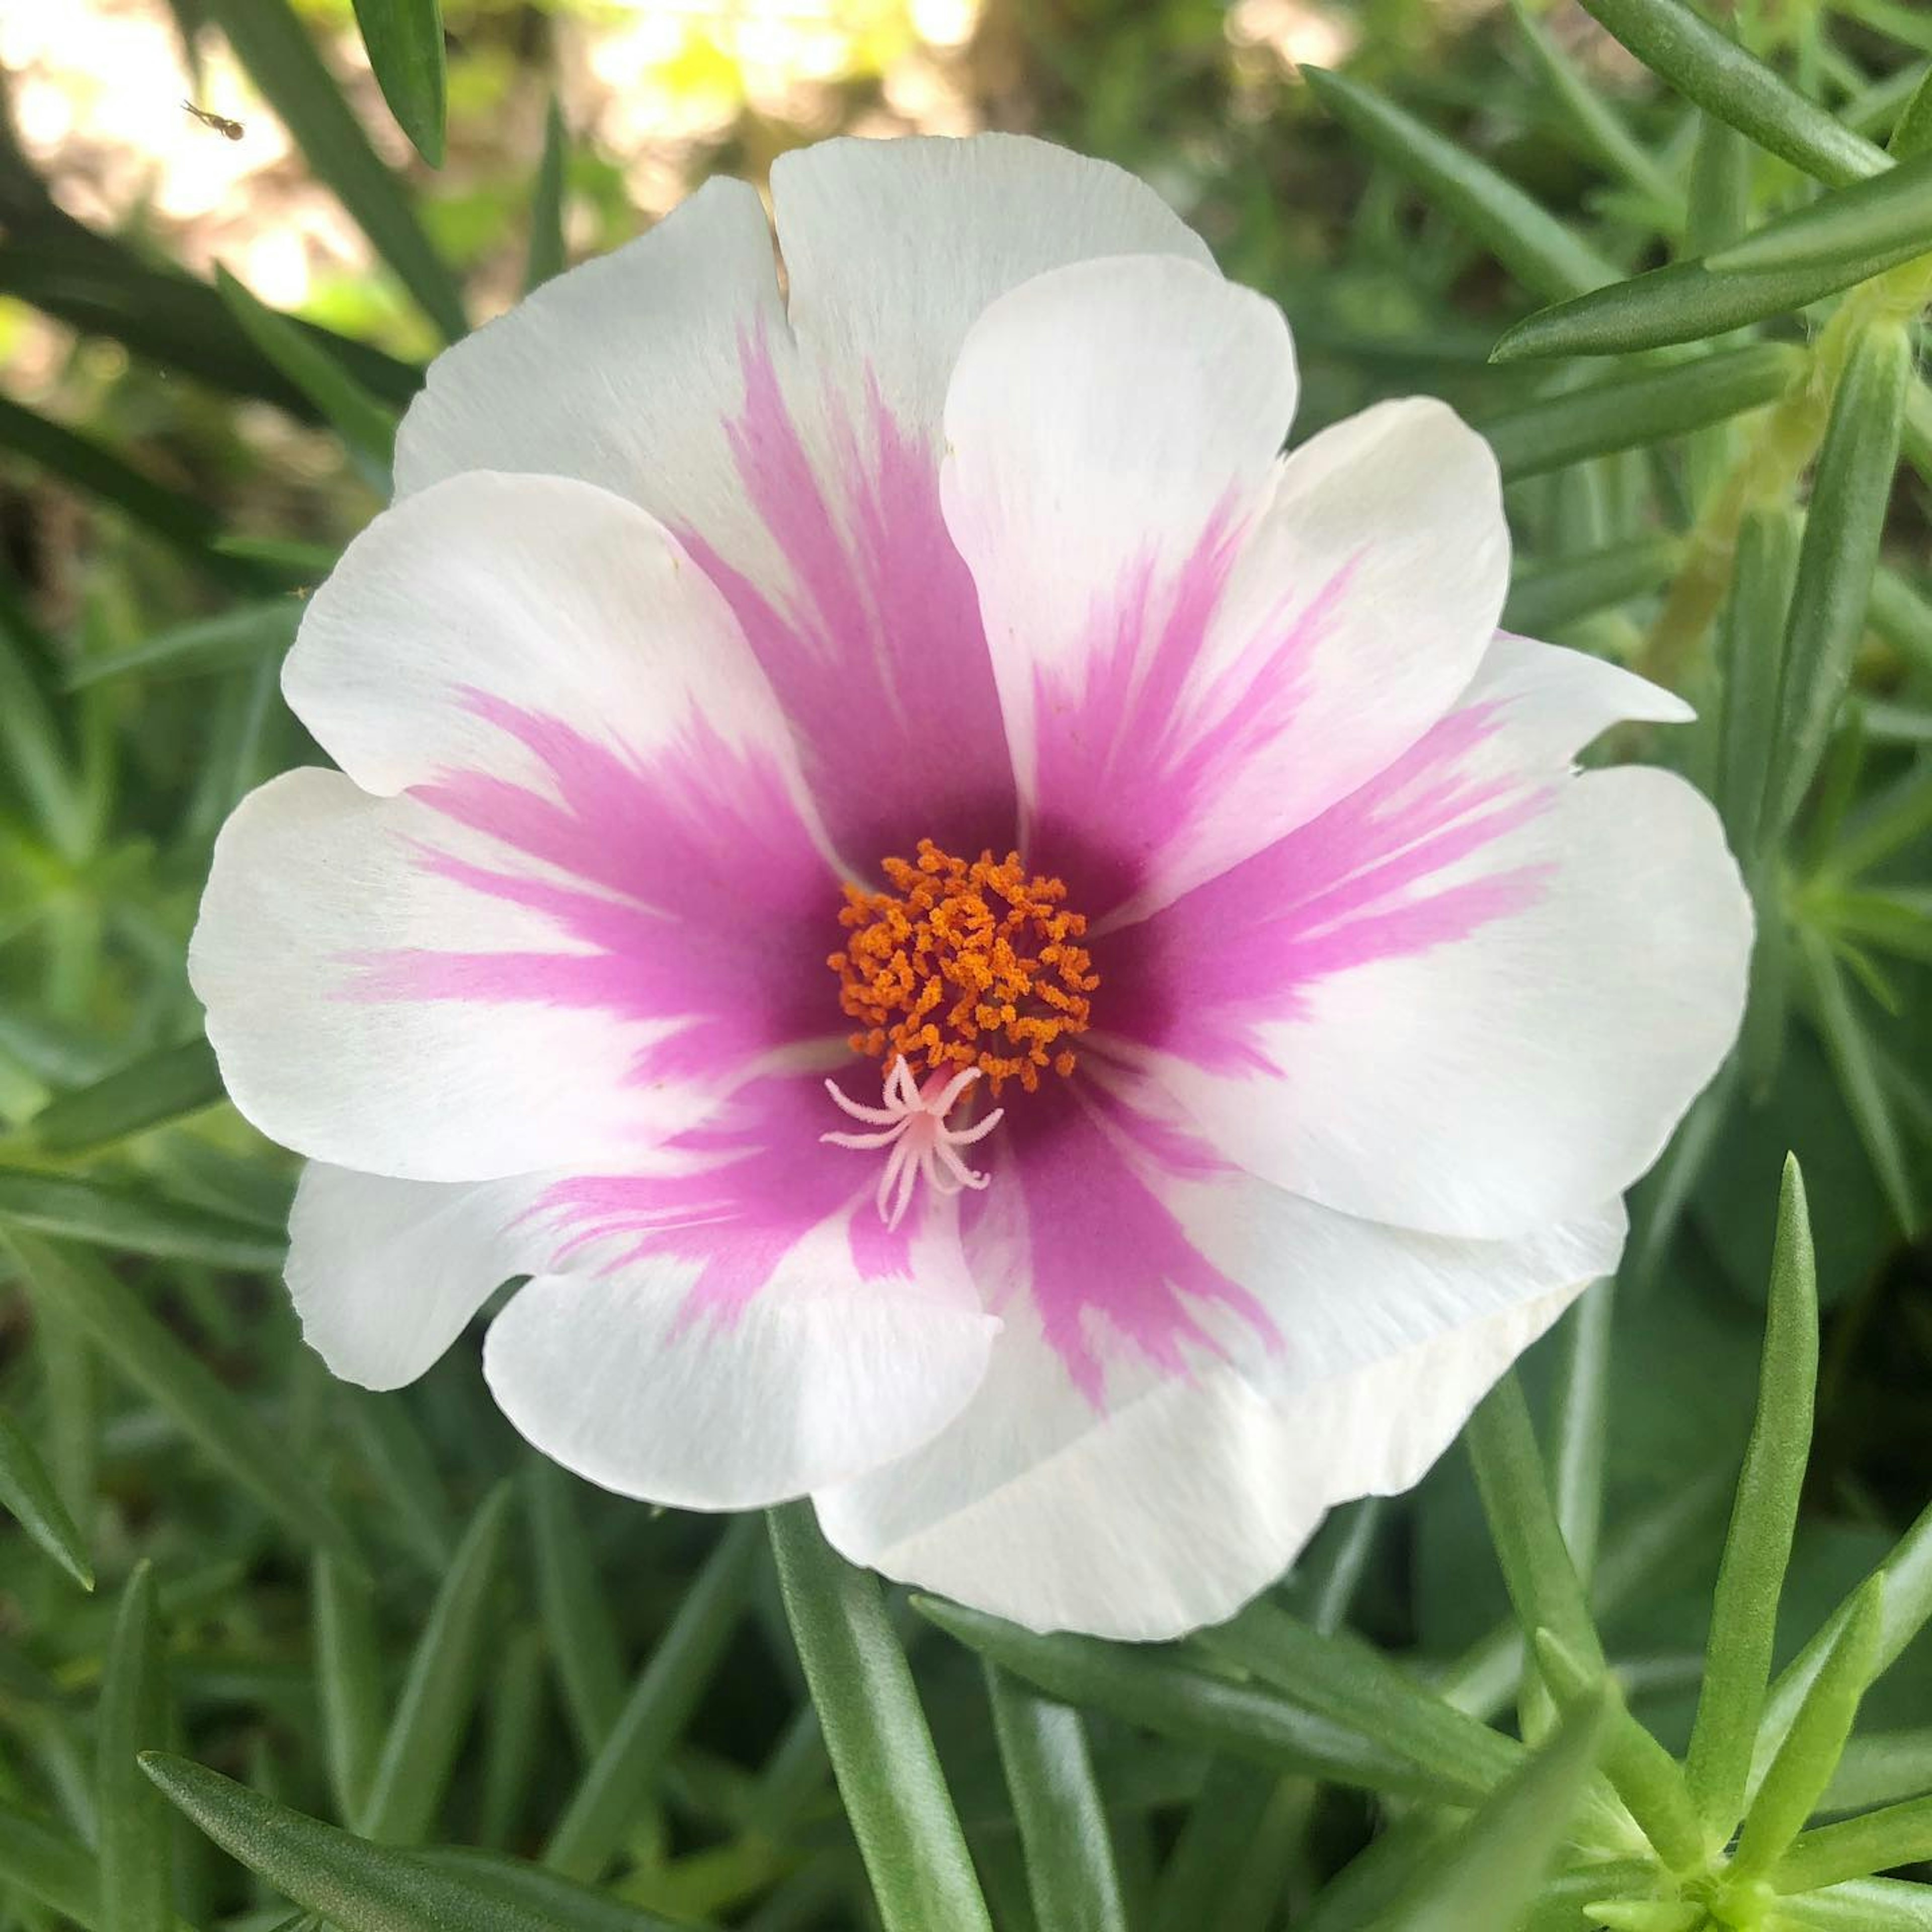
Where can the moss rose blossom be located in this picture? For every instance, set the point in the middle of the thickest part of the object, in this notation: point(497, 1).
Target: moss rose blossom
point(1002, 954)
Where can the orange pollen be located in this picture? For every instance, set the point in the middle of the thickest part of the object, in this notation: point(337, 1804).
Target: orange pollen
point(966, 965)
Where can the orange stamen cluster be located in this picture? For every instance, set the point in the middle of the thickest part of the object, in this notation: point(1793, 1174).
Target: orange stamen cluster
point(966, 965)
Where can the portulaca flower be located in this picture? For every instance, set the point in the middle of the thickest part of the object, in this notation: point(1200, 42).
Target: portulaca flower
point(1001, 954)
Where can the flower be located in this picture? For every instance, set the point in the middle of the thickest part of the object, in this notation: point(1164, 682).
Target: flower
point(1254, 1015)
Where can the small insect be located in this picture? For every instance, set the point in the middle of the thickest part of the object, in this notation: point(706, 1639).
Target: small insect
point(220, 123)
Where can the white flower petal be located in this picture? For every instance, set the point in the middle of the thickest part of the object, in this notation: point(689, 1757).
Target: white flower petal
point(1478, 995)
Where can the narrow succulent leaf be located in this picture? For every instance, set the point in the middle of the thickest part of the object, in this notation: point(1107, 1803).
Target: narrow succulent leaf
point(1685, 302)
point(138, 1220)
point(231, 1436)
point(1547, 596)
point(575, 1610)
point(545, 257)
point(165, 1085)
point(349, 1681)
point(1536, 1563)
point(1902, 617)
point(1751, 655)
point(367, 426)
point(272, 44)
point(1522, 234)
point(28, 1494)
point(137, 1862)
point(433, 1713)
point(1596, 124)
point(1344, 1561)
point(1220, 1826)
point(1706, 65)
point(1912, 133)
point(567, 1906)
point(245, 634)
point(1900, 1835)
point(1871, 218)
point(619, 1779)
point(1838, 558)
point(1638, 406)
point(1881, 1768)
point(1907, 1572)
point(1582, 1424)
point(1070, 1855)
point(1751, 1578)
point(1857, 1061)
point(1802, 1769)
point(1487, 1875)
point(1353, 1685)
point(49, 1865)
point(397, 1461)
point(1641, 1771)
point(1893, 821)
point(177, 518)
point(516, 1716)
point(359, 1887)
point(1154, 1691)
point(404, 38)
point(1865, 1905)
point(1720, 186)
point(888, 1774)
point(36, 761)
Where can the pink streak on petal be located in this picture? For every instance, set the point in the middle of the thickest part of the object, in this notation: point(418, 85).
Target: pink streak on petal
point(1392, 870)
point(686, 892)
point(1106, 1261)
point(877, 654)
point(761, 1181)
point(1132, 748)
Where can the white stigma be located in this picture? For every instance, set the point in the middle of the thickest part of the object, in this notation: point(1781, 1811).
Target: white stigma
point(912, 1123)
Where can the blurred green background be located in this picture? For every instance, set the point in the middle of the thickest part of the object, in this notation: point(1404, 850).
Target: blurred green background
point(167, 495)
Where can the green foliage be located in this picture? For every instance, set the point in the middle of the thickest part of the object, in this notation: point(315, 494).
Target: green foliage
point(421, 1678)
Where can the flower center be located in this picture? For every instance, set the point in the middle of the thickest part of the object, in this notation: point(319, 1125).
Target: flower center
point(966, 965)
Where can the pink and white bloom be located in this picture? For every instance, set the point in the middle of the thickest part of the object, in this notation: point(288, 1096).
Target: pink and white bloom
point(1326, 1008)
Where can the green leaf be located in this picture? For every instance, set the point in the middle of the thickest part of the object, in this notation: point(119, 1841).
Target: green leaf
point(1069, 1857)
point(137, 1220)
point(1838, 558)
point(49, 1865)
point(1595, 124)
point(177, 518)
point(1536, 1566)
point(233, 1437)
point(1643, 1773)
point(575, 1611)
point(348, 1680)
point(367, 426)
point(404, 38)
point(1902, 617)
point(137, 1862)
point(568, 1906)
point(1869, 219)
point(244, 634)
point(271, 42)
point(1484, 1879)
point(516, 1720)
point(28, 1494)
point(167, 1084)
point(1751, 653)
point(666, 1691)
point(546, 254)
point(1545, 596)
point(1707, 66)
point(1522, 234)
point(1880, 1767)
point(359, 1887)
point(1900, 1835)
point(1220, 1827)
point(1637, 406)
point(1911, 133)
point(1154, 1690)
point(1803, 1767)
point(1857, 1061)
point(1353, 1685)
point(34, 755)
point(1744, 1615)
point(1582, 1426)
point(406, 1790)
point(895, 1794)
point(1868, 1905)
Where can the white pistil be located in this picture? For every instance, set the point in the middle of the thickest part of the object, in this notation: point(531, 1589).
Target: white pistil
point(912, 1123)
